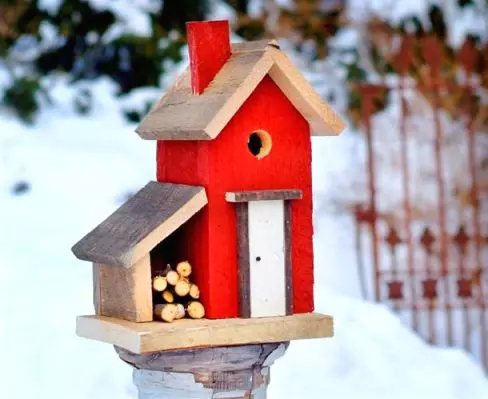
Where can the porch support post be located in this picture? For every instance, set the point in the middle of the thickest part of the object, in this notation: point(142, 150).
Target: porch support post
point(233, 372)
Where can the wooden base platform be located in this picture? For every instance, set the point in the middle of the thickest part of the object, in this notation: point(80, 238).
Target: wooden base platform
point(187, 333)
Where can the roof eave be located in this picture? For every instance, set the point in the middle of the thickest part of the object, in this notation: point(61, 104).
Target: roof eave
point(322, 119)
point(124, 260)
point(245, 90)
point(175, 134)
point(329, 128)
point(135, 228)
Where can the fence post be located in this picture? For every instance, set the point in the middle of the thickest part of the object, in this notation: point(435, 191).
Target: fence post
point(204, 373)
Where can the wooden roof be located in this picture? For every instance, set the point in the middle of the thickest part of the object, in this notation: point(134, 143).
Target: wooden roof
point(181, 115)
point(140, 224)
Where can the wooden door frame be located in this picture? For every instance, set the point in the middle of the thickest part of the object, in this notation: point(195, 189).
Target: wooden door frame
point(241, 200)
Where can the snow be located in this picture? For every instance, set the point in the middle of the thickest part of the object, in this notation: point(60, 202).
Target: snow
point(392, 10)
point(80, 169)
point(461, 21)
point(131, 15)
point(373, 356)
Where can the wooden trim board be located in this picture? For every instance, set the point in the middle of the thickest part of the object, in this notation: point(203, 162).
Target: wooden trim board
point(321, 117)
point(288, 259)
point(242, 214)
point(244, 259)
point(188, 333)
point(124, 293)
point(263, 195)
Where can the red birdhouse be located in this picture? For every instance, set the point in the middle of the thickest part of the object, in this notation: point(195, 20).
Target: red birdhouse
point(233, 195)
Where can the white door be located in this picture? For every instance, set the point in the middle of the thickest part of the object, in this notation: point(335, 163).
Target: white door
point(267, 258)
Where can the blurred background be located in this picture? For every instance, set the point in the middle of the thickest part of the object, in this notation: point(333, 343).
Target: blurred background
point(401, 197)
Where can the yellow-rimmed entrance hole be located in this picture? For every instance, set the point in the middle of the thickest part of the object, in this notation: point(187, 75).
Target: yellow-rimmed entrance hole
point(259, 143)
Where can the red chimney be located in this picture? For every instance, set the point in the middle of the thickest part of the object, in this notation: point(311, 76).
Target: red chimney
point(209, 48)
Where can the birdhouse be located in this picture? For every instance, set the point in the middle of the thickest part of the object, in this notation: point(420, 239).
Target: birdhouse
point(233, 196)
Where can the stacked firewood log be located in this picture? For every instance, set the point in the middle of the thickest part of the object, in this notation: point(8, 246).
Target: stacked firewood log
point(175, 296)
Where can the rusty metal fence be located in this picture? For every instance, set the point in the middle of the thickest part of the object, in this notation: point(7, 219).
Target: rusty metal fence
point(428, 262)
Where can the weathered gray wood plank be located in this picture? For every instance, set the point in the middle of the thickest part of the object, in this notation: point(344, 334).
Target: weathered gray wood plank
point(263, 195)
point(288, 259)
point(140, 224)
point(125, 293)
point(225, 372)
point(243, 260)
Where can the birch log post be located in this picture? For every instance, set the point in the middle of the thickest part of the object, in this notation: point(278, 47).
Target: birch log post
point(234, 372)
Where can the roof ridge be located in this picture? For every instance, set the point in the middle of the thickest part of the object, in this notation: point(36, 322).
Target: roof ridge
point(181, 115)
point(256, 45)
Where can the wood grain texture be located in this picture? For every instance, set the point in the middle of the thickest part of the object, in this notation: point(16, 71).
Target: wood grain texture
point(187, 333)
point(321, 117)
point(263, 195)
point(242, 384)
point(124, 293)
point(180, 115)
point(221, 372)
point(97, 289)
point(222, 358)
point(146, 219)
point(254, 45)
point(209, 49)
point(243, 262)
point(288, 259)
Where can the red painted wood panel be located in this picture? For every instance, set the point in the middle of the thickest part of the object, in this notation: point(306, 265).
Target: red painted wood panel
point(185, 162)
point(226, 164)
point(234, 168)
point(209, 48)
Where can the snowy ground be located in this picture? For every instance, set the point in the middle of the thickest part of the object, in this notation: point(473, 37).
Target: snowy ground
point(81, 169)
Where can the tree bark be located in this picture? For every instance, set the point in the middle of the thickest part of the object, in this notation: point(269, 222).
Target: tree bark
point(236, 372)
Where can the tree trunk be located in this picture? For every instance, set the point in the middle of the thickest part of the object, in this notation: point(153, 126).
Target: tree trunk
point(235, 372)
